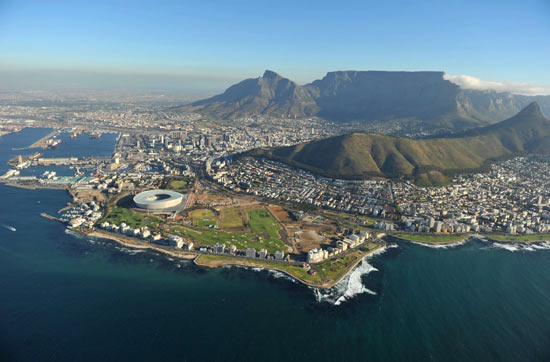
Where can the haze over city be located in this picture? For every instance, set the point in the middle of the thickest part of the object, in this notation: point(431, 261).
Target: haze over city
point(211, 45)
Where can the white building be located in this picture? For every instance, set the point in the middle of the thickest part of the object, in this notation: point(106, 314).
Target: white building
point(315, 255)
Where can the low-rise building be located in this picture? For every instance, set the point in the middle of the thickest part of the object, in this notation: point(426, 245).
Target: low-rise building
point(250, 253)
point(315, 255)
point(176, 241)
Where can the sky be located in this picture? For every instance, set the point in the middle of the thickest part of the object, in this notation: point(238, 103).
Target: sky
point(201, 44)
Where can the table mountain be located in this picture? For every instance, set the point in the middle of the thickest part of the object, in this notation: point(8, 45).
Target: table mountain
point(366, 96)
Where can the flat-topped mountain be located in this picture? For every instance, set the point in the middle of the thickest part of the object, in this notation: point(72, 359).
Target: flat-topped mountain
point(427, 161)
point(366, 96)
point(373, 95)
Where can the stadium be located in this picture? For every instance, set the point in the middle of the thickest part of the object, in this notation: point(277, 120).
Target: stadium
point(160, 200)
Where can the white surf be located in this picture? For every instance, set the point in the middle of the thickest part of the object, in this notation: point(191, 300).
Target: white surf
point(352, 285)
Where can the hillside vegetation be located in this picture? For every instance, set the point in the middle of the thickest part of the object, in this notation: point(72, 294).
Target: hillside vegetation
point(427, 161)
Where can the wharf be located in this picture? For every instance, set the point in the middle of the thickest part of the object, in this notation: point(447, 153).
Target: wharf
point(50, 217)
point(42, 142)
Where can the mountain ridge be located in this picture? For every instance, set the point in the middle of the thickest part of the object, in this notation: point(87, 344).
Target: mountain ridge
point(428, 161)
point(268, 94)
point(366, 96)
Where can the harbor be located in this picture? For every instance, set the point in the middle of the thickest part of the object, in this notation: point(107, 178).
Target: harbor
point(44, 141)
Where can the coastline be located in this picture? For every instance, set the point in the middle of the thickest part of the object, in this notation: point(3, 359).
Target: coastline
point(544, 240)
point(356, 263)
point(317, 280)
point(519, 239)
point(36, 186)
point(227, 261)
point(298, 275)
point(135, 244)
point(222, 260)
point(249, 263)
point(433, 244)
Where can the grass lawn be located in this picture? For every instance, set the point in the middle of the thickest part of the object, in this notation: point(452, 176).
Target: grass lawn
point(232, 218)
point(369, 246)
point(367, 220)
point(118, 215)
point(203, 217)
point(521, 238)
point(335, 268)
point(359, 218)
point(261, 221)
point(180, 184)
point(338, 214)
point(293, 270)
point(434, 239)
point(241, 240)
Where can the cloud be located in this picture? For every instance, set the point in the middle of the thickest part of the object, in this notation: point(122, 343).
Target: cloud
point(468, 82)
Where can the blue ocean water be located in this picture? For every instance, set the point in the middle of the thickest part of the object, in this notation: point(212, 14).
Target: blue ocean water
point(81, 146)
point(64, 297)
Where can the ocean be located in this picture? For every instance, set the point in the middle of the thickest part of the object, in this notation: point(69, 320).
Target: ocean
point(65, 297)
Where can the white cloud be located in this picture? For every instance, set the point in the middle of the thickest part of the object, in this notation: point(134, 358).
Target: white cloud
point(468, 82)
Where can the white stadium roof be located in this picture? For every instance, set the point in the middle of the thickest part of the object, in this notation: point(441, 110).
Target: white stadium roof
point(158, 200)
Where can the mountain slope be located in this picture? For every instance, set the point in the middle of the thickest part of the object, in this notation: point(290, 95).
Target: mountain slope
point(362, 155)
point(366, 96)
point(373, 95)
point(270, 94)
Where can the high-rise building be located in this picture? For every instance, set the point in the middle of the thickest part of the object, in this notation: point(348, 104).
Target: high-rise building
point(178, 135)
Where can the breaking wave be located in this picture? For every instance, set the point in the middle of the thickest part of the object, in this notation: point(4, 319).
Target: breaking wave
point(441, 246)
point(130, 251)
point(513, 247)
point(75, 234)
point(274, 273)
point(352, 284)
point(278, 275)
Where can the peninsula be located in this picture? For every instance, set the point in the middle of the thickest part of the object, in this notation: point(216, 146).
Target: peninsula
point(304, 197)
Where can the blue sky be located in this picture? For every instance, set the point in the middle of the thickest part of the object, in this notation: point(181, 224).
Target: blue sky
point(214, 43)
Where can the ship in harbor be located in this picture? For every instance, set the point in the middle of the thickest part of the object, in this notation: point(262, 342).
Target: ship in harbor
point(53, 143)
point(95, 135)
point(76, 134)
point(35, 156)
